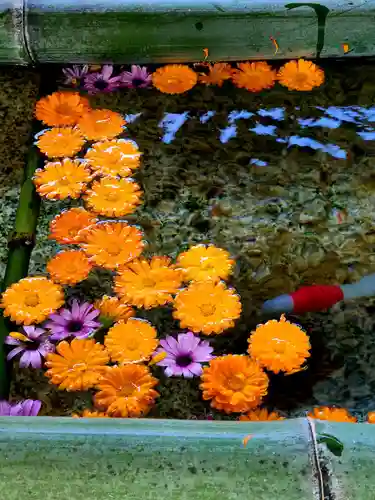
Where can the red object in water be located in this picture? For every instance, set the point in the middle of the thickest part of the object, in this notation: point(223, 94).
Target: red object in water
point(316, 298)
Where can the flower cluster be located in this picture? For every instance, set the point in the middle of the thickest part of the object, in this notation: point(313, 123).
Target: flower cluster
point(300, 75)
point(104, 347)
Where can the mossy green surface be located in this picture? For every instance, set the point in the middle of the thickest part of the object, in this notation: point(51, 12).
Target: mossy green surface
point(18, 90)
point(278, 221)
point(151, 459)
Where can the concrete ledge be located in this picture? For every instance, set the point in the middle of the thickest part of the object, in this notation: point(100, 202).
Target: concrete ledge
point(112, 459)
point(351, 475)
point(123, 31)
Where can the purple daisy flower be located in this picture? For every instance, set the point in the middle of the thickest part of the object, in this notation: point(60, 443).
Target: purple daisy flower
point(184, 355)
point(79, 321)
point(75, 74)
point(27, 408)
point(33, 345)
point(138, 77)
point(102, 81)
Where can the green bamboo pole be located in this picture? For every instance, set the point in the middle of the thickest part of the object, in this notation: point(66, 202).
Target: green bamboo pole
point(20, 245)
point(22, 239)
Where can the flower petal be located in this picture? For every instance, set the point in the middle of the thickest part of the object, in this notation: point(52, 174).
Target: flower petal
point(107, 71)
point(31, 408)
point(195, 369)
point(14, 352)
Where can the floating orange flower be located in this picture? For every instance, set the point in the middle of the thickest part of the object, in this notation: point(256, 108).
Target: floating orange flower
point(148, 283)
point(261, 415)
point(300, 75)
point(115, 157)
point(64, 228)
point(371, 417)
point(59, 142)
point(126, 391)
point(131, 341)
point(99, 124)
point(279, 346)
point(333, 414)
point(69, 267)
point(78, 365)
point(234, 383)
point(112, 308)
point(32, 300)
point(254, 76)
point(113, 197)
point(203, 262)
point(90, 414)
point(207, 307)
point(174, 79)
point(218, 73)
point(62, 179)
point(112, 244)
point(61, 108)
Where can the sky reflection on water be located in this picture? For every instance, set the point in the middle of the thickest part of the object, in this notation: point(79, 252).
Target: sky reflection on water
point(333, 118)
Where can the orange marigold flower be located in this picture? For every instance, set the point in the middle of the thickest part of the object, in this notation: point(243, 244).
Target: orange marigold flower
point(61, 108)
point(148, 284)
point(62, 179)
point(333, 414)
point(99, 124)
point(59, 142)
point(279, 346)
point(207, 307)
point(112, 244)
point(261, 415)
point(218, 72)
point(132, 341)
point(64, 228)
point(234, 383)
point(371, 417)
point(201, 263)
point(112, 308)
point(90, 414)
point(78, 365)
point(254, 76)
point(112, 158)
point(126, 391)
point(113, 197)
point(300, 75)
point(69, 267)
point(32, 300)
point(174, 78)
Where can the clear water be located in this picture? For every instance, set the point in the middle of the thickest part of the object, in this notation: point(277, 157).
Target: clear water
point(283, 180)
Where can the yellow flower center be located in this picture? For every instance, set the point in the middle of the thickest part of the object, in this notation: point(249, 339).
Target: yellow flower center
point(300, 78)
point(32, 300)
point(208, 309)
point(173, 80)
point(236, 382)
point(132, 344)
point(64, 181)
point(149, 282)
point(79, 367)
point(127, 390)
point(64, 109)
point(73, 231)
point(279, 346)
point(72, 268)
point(113, 248)
point(112, 196)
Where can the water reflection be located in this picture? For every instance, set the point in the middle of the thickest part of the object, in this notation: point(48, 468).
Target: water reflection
point(333, 117)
